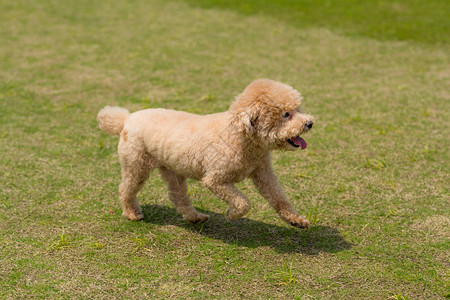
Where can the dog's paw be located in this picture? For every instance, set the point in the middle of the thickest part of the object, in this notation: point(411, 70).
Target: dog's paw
point(237, 213)
point(232, 214)
point(197, 218)
point(133, 215)
point(300, 223)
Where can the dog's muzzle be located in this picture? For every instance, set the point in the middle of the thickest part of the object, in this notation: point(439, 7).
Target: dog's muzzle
point(298, 141)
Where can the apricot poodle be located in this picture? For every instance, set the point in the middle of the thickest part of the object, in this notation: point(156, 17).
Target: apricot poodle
point(217, 149)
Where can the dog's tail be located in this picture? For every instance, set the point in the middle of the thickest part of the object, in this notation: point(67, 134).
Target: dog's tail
point(112, 119)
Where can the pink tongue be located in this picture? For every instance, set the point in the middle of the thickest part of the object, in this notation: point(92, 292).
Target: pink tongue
point(299, 141)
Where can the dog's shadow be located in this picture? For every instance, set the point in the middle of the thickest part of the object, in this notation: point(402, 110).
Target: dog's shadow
point(253, 234)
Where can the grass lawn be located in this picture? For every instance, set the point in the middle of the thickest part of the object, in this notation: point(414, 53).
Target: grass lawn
point(374, 179)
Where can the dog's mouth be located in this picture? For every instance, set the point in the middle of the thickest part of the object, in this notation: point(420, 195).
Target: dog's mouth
point(297, 141)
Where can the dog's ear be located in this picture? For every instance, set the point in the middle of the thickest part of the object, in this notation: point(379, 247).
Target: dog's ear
point(245, 111)
point(246, 121)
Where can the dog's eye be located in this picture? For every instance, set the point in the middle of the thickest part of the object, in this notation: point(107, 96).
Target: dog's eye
point(286, 115)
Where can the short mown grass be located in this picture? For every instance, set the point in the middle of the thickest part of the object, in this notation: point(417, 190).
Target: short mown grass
point(373, 180)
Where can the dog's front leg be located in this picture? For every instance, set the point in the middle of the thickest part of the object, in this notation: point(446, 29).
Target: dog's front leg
point(238, 203)
point(178, 194)
point(269, 187)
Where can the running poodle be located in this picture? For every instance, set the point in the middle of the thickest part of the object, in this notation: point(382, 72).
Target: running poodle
point(217, 149)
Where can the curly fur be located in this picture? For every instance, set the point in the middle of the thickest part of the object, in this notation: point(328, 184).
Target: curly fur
point(217, 149)
point(112, 119)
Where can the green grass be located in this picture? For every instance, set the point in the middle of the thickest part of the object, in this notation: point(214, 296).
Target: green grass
point(411, 20)
point(373, 180)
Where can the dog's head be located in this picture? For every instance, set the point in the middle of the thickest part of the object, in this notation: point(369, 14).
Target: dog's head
point(268, 112)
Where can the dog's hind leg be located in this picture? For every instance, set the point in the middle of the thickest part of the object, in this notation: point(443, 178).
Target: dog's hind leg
point(136, 166)
point(179, 197)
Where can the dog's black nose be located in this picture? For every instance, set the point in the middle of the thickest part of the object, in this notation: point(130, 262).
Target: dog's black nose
point(309, 124)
